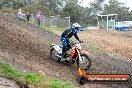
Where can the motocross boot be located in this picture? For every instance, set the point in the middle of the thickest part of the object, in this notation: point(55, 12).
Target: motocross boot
point(64, 54)
point(65, 58)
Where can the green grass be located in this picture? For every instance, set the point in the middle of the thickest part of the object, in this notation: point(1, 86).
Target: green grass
point(37, 80)
point(8, 71)
point(59, 84)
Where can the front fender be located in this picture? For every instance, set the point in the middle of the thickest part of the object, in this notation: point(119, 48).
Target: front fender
point(85, 52)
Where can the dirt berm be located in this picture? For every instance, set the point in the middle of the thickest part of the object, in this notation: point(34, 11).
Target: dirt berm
point(26, 47)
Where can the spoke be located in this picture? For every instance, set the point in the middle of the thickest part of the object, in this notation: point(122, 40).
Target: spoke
point(85, 61)
point(54, 55)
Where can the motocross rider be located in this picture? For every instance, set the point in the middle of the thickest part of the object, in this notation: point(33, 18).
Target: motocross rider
point(65, 38)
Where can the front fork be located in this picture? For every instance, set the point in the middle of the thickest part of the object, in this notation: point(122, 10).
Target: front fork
point(80, 61)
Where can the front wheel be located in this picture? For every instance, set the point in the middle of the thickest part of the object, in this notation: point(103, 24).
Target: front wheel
point(86, 62)
point(81, 80)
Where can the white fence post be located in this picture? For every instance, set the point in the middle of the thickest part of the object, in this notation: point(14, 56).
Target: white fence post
point(69, 23)
point(32, 18)
point(43, 21)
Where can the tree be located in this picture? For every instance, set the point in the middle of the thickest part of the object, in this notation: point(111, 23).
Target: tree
point(0, 5)
point(78, 13)
point(12, 3)
point(115, 7)
point(73, 10)
point(90, 16)
point(6, 3)
point(55, 6)
point(33, 8)
point(20, 3)
point(97, 6)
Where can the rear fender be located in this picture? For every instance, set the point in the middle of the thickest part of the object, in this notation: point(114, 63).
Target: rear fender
point(57, 48)
point(52, 45)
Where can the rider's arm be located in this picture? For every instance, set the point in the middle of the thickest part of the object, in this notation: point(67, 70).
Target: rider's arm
point(76, 36)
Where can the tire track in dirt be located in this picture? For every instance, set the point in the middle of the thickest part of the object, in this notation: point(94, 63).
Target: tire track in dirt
point(6, 83)
point(27, 47)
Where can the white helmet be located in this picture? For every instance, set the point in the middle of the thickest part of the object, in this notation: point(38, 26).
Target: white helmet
point(76, 26)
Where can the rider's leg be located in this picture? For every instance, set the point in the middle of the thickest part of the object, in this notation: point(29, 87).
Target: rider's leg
point(64, 44)
point(68, 44)
point(64, 53)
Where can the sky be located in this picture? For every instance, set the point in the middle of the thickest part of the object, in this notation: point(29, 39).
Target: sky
point(128, 3)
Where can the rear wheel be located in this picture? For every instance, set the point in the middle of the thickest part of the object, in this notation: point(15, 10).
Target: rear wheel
point(81, 80)
point(86, 62)
point(53, 55)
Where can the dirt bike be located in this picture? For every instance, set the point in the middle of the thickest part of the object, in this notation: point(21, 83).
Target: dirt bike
point(72, 56)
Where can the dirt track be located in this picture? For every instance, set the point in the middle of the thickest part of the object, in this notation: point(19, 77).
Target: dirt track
point(6, 83)
point(110, 41)
point(26, 47)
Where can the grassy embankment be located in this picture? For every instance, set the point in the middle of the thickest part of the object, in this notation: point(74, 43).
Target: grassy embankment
point(36, 80)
